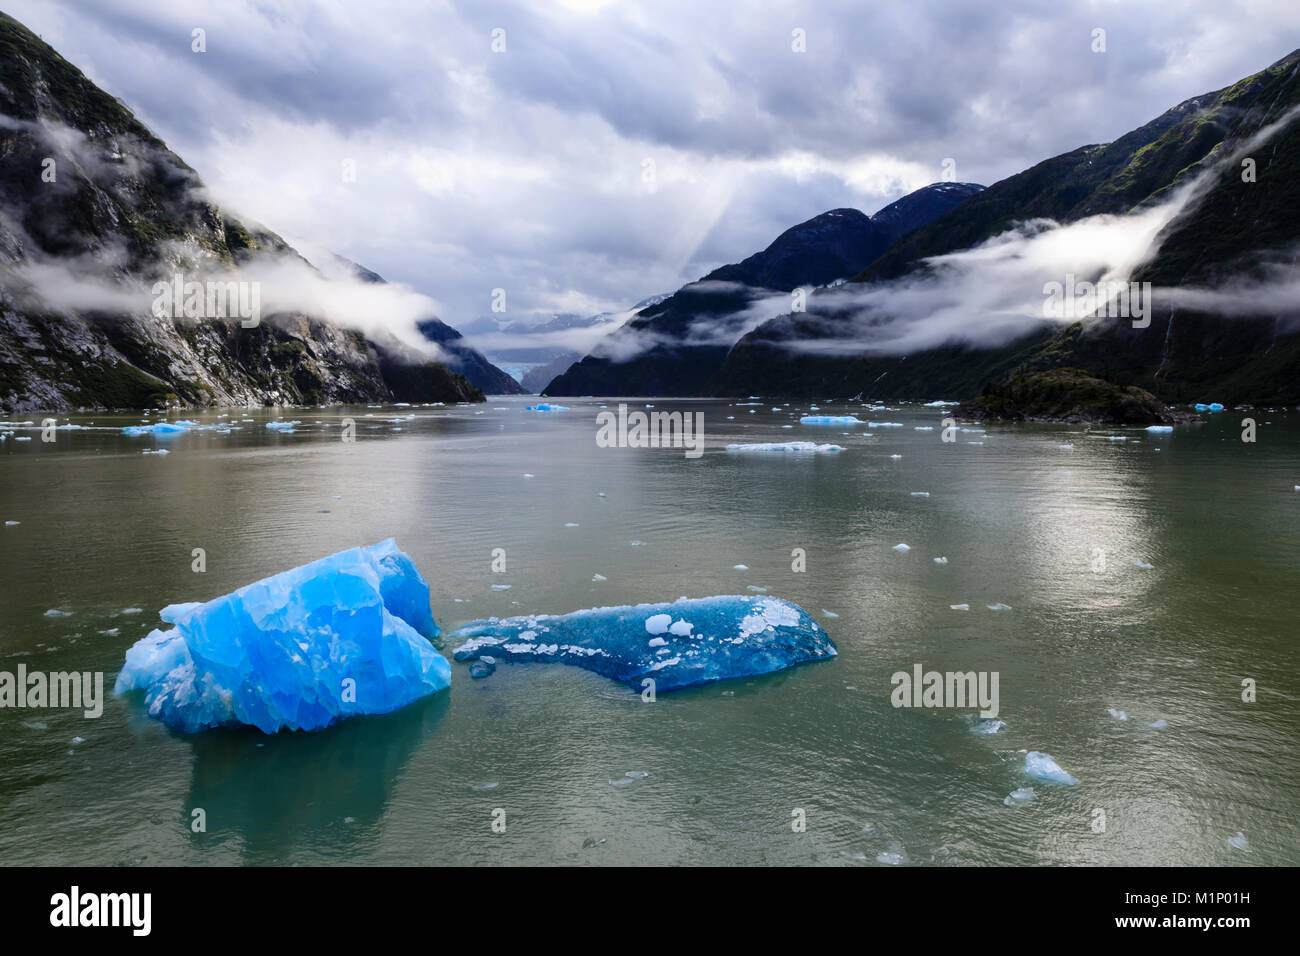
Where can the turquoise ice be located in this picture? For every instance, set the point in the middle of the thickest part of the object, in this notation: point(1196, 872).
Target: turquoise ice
point(345, 635)
point(687, 642)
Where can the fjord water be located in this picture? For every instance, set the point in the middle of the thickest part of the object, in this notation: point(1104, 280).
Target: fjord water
point(1051, 532)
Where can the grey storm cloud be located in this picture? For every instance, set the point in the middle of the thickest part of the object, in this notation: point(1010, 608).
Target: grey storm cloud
point(617, 149)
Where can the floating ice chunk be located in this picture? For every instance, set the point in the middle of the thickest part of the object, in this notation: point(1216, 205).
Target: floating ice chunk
point(938, 404)
point(1158, 724)
point(1068, 447)
point(830, 420)
point(636, 544)
point(159, 428)
point(900, 547)
point(831, 614)
point(895, 457)
point(527, 475)
point(543, 407)
point(986, 727)
point(132, 610)
point(501, 587)
point(1160, 428)
point(347, 634)
point(999, 606)
point(941, 560)
point(740, 567)
point(1238, 842)
point(110, 632)
point(786, 447)
point(1042, 767)
point(599, 577)
point(923, 428)
point(286, 427)
point(960, 607)
point(757, 589)
point(732, 636)
point(681, 628)
point(658, 642)
point(10, 524)
point(480, 669)
point(1019, 797)
point(889, 858)
point(154, 451)
point(920, 494)
point(56, 612)
point(1143, 565)
point(1116, 438)
point(571, 524)
point(1117, 714)
point(884, 424)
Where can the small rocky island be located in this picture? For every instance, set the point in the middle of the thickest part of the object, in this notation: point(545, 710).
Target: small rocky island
point(1068, 395)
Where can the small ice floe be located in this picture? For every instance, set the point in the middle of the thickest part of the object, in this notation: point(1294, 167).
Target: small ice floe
point(1160, 428)
point(1042, 767)
point(900, 547)
point(959, 607)
point(999, 606)
point(1067, 447)
point(480, 669)
point(826, 613)
point(501, 587)
point(78, 740)
point(601, 494)
point(1139, 563)
point(155, 451)
point(56, 612)
point(485, 786)
point(599, 577)
point(986, 727)
point(740, 567)
point(111, 632)
point(889, 858)
point(923, 428)
point(786, 448)
point(756, 588)
point(1212, 407)
point(895, 457)
point(571, 524)
point(527, 475)
point(830, 420)
point(1238, 842)
point(10, 524)
point(1158, 724)
point(283, 427)
point(1019, 797)
point(544, 407)
point(920, 494)
point(132, 610)
point(658, 623)
point(1117, 714)
point(1116, 438)
point(637, 774)
point(941, 560)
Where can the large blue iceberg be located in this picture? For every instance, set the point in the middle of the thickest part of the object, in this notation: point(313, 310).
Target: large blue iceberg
point(691, 641)
point(345, 635)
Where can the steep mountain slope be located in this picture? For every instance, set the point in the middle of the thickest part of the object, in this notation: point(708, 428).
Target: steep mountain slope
point(675, 347)
point(94, 210)
point(1237, 228)
point(468, 361)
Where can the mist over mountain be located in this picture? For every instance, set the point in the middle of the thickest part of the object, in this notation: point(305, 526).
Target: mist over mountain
point(99, 221)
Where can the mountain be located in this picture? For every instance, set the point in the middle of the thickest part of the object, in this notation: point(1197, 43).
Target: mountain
point(468, 361)
point(96, 216)
point(1236, 234)
point(676, 346)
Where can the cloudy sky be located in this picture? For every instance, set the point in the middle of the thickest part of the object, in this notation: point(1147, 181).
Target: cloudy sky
point(608, 150)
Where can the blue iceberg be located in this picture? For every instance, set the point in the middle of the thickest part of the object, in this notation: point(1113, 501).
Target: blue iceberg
point(543, 407)
point(160, 428)
point(687, 642)
point(348, 634)
point(1041, 766)
point(1212, 407)
point(830, 420)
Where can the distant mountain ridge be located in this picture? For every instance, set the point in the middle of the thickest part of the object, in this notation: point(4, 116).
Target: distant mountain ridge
point(681, 361)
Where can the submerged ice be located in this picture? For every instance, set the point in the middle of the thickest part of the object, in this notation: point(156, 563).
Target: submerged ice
point(687, 642)
point(345, 635)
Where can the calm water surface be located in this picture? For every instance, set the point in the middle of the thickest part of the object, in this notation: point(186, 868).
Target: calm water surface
point(1021, 520)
